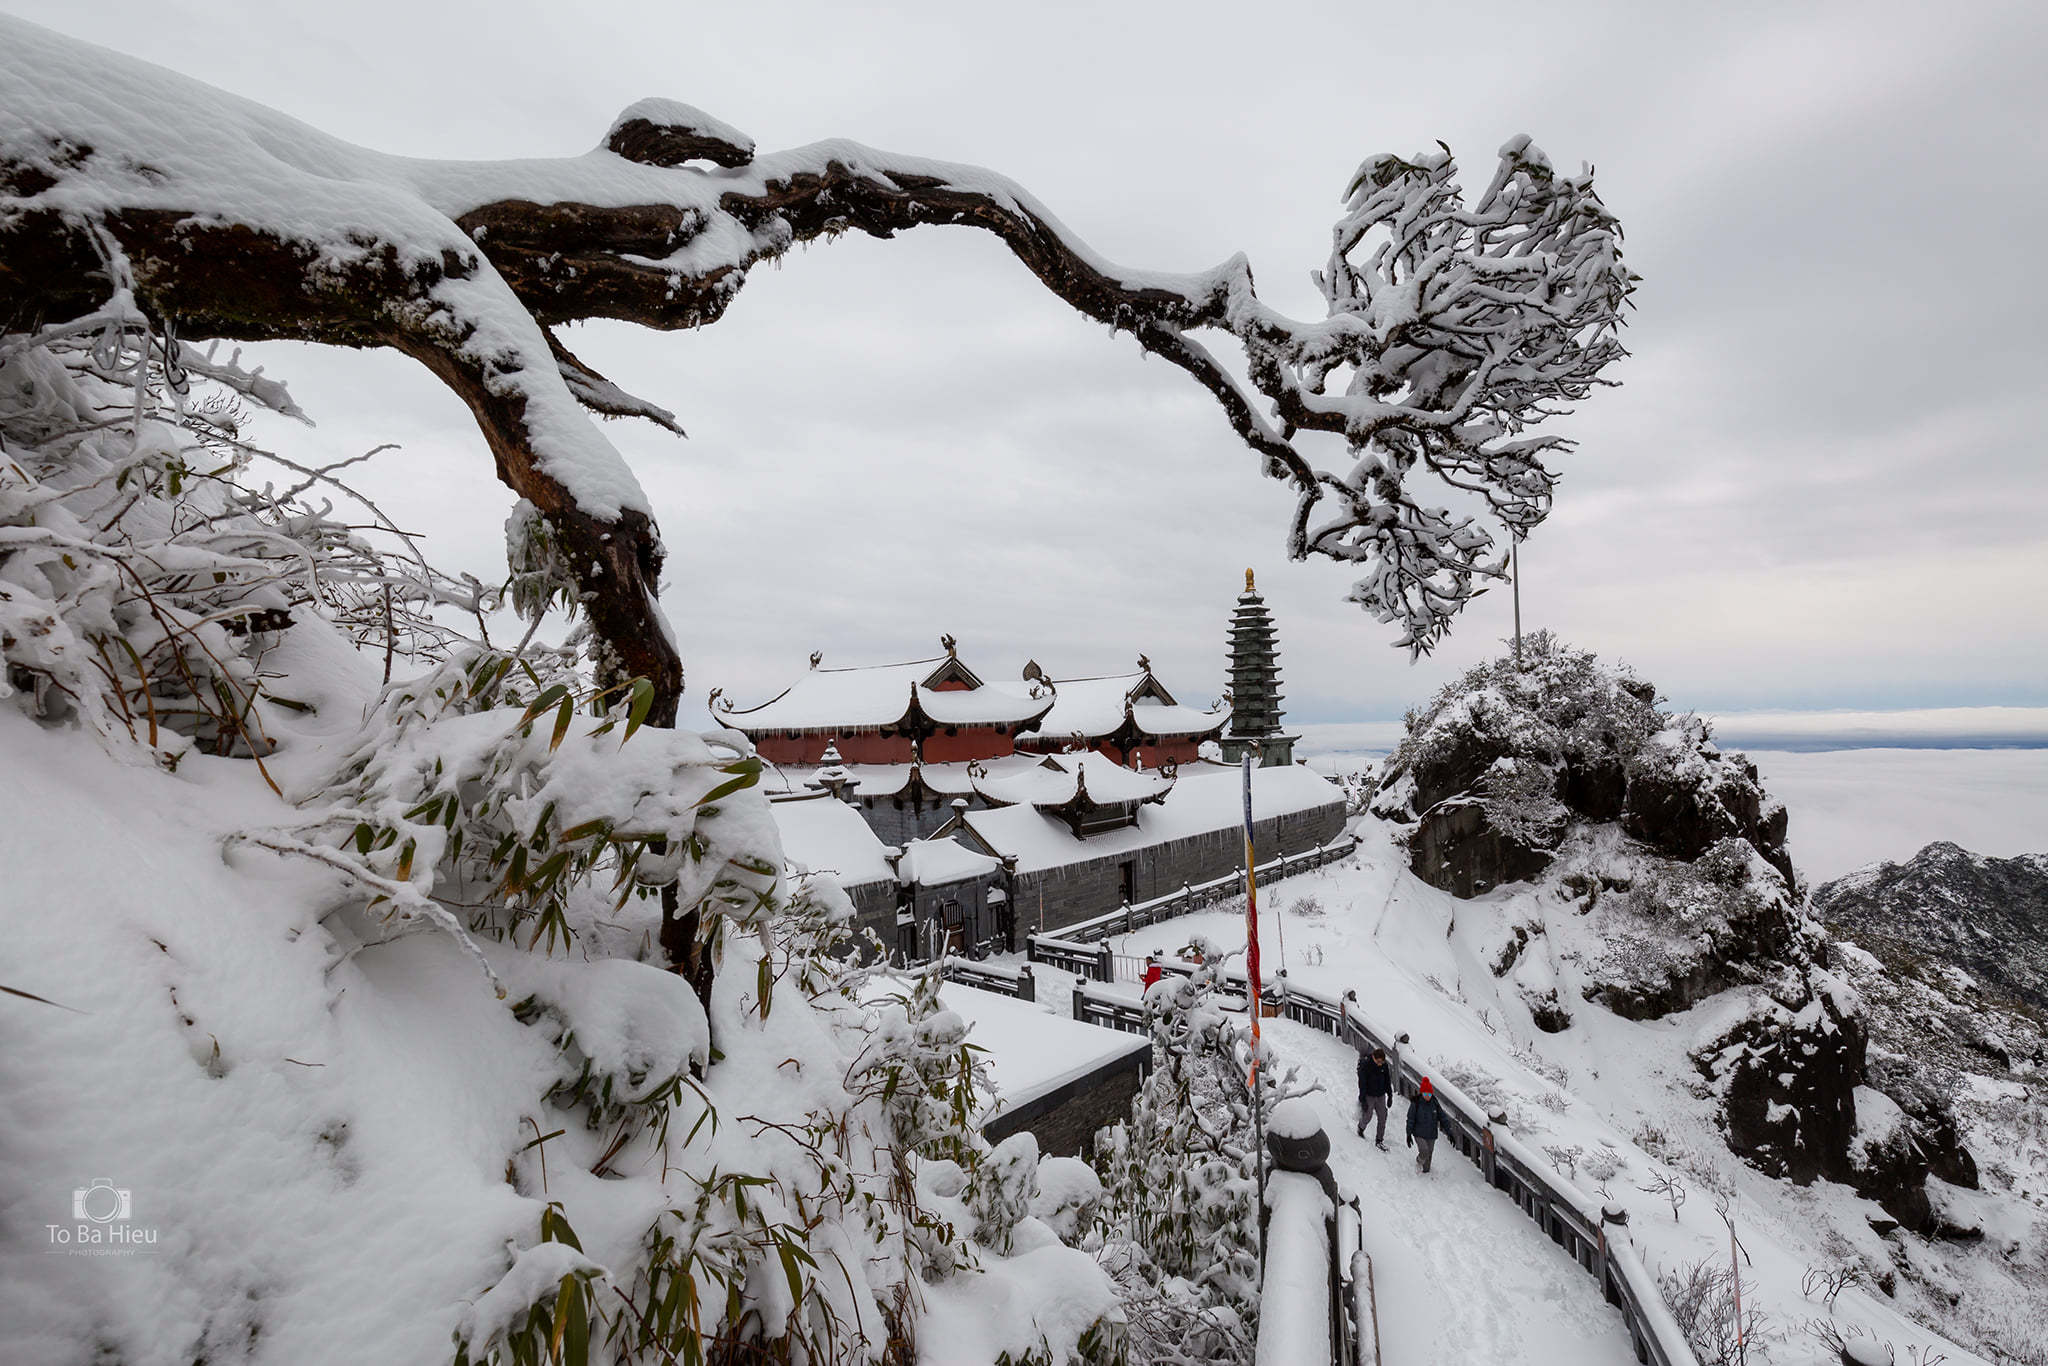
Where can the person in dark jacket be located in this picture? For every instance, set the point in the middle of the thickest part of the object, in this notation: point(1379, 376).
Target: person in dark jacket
point(1424, 1118)
point(1375, 1089)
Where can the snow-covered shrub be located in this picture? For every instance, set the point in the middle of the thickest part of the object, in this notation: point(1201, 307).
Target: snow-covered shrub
point(1601, 1166)
point(143, 576)
point(1519, 796)
point(453, 792)
point(1560, 706)
point(1000, 1194)
point(1067, 1196)
point(1179, 1213)
point(781, 1173)
point(1703, 1300)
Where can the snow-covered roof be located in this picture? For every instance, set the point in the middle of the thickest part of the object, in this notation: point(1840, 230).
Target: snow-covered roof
point(1055, 780)
point(1207, 798)
point(870, 698)
point(886, 780)
point(1095, 707)
point(821, 835)
point(933, 863)
point(1031, 1050)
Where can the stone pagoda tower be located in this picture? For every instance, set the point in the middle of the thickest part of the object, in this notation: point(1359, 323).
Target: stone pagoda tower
point(1255, 685)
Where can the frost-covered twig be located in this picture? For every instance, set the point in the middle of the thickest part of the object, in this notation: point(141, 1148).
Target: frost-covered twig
point(406, 901)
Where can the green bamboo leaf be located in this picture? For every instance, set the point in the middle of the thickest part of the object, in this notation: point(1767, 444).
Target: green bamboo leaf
point(566, 714)
point(576, 1342)
point(565, 1296)
point(787, 1250)
point(548, 697)
point(725, 789)
point(637, 709)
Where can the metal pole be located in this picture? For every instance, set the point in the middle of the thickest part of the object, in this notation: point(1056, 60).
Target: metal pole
point(1515, 575)
point(1251, 920)
point(1735, 1282)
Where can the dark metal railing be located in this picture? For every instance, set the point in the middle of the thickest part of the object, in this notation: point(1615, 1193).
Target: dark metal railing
point(1018, 982)
point(1195, 896)
point(1592, 1235)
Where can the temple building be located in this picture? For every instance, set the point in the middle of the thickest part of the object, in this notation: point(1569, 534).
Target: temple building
point(928, 710)
point(1131, 718)
point(961, 815)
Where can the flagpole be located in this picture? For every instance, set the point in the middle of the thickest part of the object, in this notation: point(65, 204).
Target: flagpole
point(1257, 1001)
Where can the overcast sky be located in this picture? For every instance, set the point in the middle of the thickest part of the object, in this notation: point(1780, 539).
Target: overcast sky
point(1819, 485)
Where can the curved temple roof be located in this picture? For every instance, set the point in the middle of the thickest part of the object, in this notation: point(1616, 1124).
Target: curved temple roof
point(1061, 779)
point(885, 696)
point(1095, 708)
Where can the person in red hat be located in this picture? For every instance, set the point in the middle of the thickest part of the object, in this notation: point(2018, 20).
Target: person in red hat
point(1424, 1119)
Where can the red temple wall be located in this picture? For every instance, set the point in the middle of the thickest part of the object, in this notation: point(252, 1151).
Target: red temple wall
point(1169, 751)
point(973, 742)
point(778, 748)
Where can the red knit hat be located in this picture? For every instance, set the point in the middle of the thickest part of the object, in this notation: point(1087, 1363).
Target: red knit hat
point(1425, 1086)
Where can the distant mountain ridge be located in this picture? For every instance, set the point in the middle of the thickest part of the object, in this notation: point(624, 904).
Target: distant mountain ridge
point(1987, 916)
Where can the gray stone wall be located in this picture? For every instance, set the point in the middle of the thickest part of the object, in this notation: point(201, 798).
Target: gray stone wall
point(966, 902)
point(1079, 891)
point(1064, 1121)
point(898, 822)
point(874, 905)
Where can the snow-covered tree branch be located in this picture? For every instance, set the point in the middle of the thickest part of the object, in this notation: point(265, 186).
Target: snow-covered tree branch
point(1452, 327)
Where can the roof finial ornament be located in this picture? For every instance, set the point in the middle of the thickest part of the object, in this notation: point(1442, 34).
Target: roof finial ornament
point(717, 695)
point(817, 658)
point(1248, 582)
point(948, 642)
point(1144, 664)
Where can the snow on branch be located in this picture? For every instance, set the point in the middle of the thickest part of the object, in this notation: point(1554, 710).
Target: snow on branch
point(1454, 324)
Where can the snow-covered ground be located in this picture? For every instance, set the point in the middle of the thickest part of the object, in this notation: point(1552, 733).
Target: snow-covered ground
point(1481, 1284)
point(1459, 1273)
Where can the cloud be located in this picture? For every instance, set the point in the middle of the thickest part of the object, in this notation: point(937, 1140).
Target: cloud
point(1819, 484)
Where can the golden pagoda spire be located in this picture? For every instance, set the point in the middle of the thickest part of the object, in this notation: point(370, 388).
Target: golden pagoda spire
point(1248, 582)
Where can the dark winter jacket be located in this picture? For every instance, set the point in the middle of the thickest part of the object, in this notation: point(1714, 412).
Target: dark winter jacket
point(1372, 1078)
point(1423, 1117)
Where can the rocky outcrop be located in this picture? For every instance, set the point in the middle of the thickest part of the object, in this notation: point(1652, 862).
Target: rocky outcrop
point(1502, 763)
point(1676, 933)
point(1456, 848)
point(1986, 916)
point(1684, 798)
point(1887, 1164)
point(1787, 1072)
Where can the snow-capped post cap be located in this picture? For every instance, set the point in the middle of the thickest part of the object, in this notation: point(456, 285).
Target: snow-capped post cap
point(1295, 1137)
point(1612, 1213)
point(661, 132)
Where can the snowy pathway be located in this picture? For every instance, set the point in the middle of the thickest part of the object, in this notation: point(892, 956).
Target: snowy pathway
point(1461, 1275)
